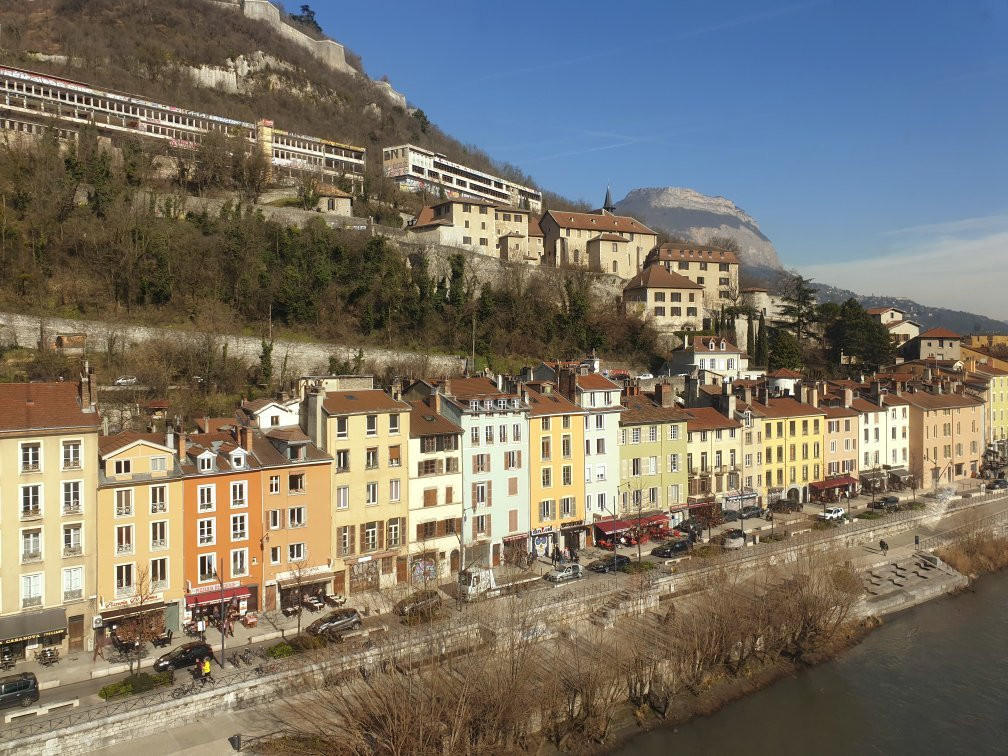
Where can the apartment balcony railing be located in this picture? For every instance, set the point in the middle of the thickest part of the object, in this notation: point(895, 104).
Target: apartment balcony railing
point(207, 576)
point(73, 595)
point(73, 508)
point(159, 585)
point(73, 464)
point(206, 540)
point(30, 467)
point(159, 506)
point(124, 548)
point(394, 462)
point(239, 535)
point(31, 556)
point(300, 524)
point(297, 491)
point(124, 511)
point(205, 506)
point(238, 502)
point(73, 551)
point(31, 513)
point(158, 544)
point(124, 591)
point(31, 601)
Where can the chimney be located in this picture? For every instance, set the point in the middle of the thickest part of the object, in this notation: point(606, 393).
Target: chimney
point(314, 417)
point(802, 393)
point(397, 389)
point(500, 382)
point(747, 394)
point(169, 437)
point(437, 401)
point(181, 445)
point(763, 394)
point(245, 438)
point(664, 394)
point(814, 397)
point(206, 423)
point(848, 397)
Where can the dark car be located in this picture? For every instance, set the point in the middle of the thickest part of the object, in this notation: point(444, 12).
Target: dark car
point(886, 502)
point(998, 484)
point(671, 549)
point(19, 690)
point(185, 655)
point(690, 527)
point(609, 563)
point(750, 511)
point(731, 515)
point(421, 602)
point(336, 622)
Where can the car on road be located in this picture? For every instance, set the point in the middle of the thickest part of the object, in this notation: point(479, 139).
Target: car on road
point(731, 515)
point(690, 527)
point(997, 485)
point(19, 690)
point(750, 511)
point(126, 380)
point(609, 563)
point(185, 655)
point(565, 573)
point(336, 622)
point(885, 503)
point(420, 603)
point(671, 549)
point(645, 377)
point(832, 514)
point(732, 539)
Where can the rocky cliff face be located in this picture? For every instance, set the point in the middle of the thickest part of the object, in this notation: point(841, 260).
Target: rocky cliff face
point(692, 215)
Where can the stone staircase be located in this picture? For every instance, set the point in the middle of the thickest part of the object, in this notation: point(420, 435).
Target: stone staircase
point(907, 582)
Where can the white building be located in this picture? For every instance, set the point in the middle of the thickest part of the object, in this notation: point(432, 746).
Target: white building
point(435, 492)
point(416, 169)
point(715, 359)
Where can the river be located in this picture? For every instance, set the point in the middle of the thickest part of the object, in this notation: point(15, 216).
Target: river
point(932, 680)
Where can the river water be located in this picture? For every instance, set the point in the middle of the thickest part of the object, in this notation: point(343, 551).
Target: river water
point(933, 680)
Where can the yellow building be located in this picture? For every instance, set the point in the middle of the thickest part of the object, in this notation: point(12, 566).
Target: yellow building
point(367, 434)
point(48, 476)
point(996, 400)
point(556, 469)
point(793, 446)
point(714, 459)
point(140, 534)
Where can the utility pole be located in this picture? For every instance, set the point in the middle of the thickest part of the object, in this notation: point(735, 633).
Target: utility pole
point(223, 625)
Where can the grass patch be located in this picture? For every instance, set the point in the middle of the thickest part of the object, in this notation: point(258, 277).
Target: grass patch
point(139, 683)
point(869, 514)
point(281, 650)
point(977, 553)
point(637, 567)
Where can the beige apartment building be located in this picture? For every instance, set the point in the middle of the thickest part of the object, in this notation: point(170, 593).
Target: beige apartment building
point(715, 270)
point(586, 240)
point(467, 223)
point(946, 436)
point(511, 228)
point(48, 479)
point(671, 301)
point(367, 434)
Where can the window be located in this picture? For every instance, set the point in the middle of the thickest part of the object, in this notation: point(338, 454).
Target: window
point(565, 445)
point(599, 421)
point(31, 545)
point(545, 423)
point(124, 502)
point(342, 462)
point(395, 460)
point(480, 493)
point(31, 590)
point(205, 532)
point(207, 568)
point(652, 433)
point(237, 460)
point(371, 490)
point(546, 510)
point(274, 484)
point(159, 535)
point(73, 583)
point(511, 460)
point(394, 531)
point(71, 497)
point(206, 463)
point(238, 494)
point(546, 452)
point(371, 458)
point(393, 423)
point(567, 506)
point(343, 497)
point(295, 552)
point(124, 579)
point(394, 490)
point(123, 466)
point(206, 498)
point(372, 425)
point(600, 472)
point(296, 483)
point(635, 435)
point(567, 475)
point(274, 555)
point(239, 527)
point(516, 432)
point(547, 477)
point(341, 427)
point(370, 536)
point(71, 455)
point(159, 574)
point(488, 433)
point(31, 498)
point(239, 562)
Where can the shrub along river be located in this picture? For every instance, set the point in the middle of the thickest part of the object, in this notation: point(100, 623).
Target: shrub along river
point(932, 680)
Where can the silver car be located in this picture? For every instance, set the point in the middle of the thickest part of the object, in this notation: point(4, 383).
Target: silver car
point(565, 573)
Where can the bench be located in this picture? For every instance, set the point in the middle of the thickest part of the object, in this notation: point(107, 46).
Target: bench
point(39, 710)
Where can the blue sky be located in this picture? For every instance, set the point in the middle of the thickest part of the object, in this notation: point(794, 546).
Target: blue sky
point(866, 138)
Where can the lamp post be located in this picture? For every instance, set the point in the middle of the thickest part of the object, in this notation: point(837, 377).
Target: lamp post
point(223, 627)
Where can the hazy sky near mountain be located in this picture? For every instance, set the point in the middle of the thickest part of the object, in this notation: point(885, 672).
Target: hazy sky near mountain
point(837, 125)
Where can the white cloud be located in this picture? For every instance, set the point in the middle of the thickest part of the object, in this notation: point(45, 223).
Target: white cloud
point(959, 264)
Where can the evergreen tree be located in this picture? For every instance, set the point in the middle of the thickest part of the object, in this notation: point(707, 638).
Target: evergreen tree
point(762, 347)
point(750, 339)
point(799, 306)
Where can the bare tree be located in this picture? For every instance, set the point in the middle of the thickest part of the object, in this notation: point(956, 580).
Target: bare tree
point(139, 629)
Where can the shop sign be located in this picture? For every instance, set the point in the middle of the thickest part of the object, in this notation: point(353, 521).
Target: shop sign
point(542, 531)
point(212, 588)
point(574, 524)
point(132, 601)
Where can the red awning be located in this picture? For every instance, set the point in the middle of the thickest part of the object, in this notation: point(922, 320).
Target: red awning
point(826, 485)
point(618, 526)
point(215, 596)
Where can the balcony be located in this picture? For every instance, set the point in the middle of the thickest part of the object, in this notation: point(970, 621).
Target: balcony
point(124, 591)
point(238, 503)
point(31, 513)
point(30, 467)
point(27, 557)
point(124, 548)
point(124, 511)
point(159, 544)
point(71, 464)
point(159, 585)
point(206, 577)
point(159, 506)
point(29, 602)
point(206, 506)
point(300, 524)
point(394, 462)
point(206, 540)
point(75, 595)
point(72, 508)
point(73, 551)
point(239, 535)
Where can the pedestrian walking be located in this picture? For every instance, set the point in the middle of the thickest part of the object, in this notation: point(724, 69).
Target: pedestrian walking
point(884, 547)
point(207, 671)
point(201, 627)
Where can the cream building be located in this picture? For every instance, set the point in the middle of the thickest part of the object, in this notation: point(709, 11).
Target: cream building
point(587, 240)
point(716, 270)
point(48, 479)
point(671, 301)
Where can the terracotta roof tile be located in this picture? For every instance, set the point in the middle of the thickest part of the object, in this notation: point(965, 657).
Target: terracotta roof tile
point(676, 252)
point(552, 403)
point(785, 373)
point(708, 418)
point(369, 400)
point(701, 344)
point(43, 406)
point(787, 407)
point(656, 277)
point(940, 333)
point(109, 444)
point(595, 382)
point(533, 227)
point(642, 409)
point(598, 222)
point(424, 421)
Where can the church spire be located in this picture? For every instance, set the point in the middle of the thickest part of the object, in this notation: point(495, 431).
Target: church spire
point(609, 207)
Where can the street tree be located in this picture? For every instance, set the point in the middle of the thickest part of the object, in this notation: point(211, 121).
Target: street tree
point(799, 306)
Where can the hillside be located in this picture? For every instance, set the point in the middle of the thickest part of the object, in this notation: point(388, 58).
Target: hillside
point(148, 48)
point(697, 217)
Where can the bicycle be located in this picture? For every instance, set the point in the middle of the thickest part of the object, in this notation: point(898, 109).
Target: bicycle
point(193, 687)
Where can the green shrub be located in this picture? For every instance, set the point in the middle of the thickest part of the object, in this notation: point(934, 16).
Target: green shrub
point(869, 515)
point(301, 643)
point(281, 650)
point(116, 690)
point(636, 567)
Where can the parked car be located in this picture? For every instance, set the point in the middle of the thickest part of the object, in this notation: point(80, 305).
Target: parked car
point(885, 503)
point(833, 513)
point(731, 515)
point(421, 602)
point(733, 539)
point(645, 377)
point(336, 622)
point(785, 506)
point(997, 485)
point(185, 655)
point(565, 573)
point(19, 690)
point(671, 549)
point(609, 563)
point(690, 527)
point(126, 380)
point(753, 510)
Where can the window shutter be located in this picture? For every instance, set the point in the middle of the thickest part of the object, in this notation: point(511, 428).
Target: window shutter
point(513, 520)
point(473, 498)
point(475, 462)
point(363, 546)
point(489, 531)
point(440, 466)
point(430, 497)
point(512, 486)
point(489, 493)
point(381, 535)
point(519, 459)
point(475, 532)
point(458, 525)
point(449, 495)
point(439, 528)
point(351, 540)
point(419, 531)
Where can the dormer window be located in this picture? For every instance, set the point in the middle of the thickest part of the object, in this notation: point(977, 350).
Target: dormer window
point(474, 406)
point(515, 402)
point(502, 404)
point(205, 462)
point(488, 404)
point(237, 460)
point(711, 345)
point(723, 345)
point(274, 420)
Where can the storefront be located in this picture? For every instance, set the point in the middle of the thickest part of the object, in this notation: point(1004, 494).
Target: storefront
point(293, 591)
point(543, 540)
point(20, 633)
point(873, 480)
point(573, 535)
point(900, 478)
point(629, 531)
point(834, 489)
point(206, 603)
point(741, 499)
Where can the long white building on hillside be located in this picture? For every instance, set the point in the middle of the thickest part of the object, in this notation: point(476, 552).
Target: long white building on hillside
point(415, 168)
point(32, 102)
